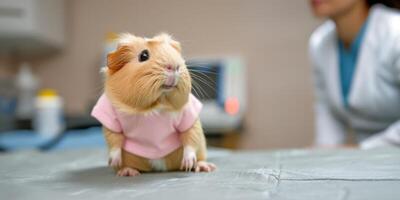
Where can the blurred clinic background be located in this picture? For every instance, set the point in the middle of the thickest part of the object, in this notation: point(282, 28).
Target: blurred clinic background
point(254, 54)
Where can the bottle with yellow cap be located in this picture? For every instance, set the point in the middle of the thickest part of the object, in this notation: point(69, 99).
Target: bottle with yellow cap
point(48, 117)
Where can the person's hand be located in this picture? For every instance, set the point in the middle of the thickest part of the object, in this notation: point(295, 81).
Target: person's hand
point(375, 142)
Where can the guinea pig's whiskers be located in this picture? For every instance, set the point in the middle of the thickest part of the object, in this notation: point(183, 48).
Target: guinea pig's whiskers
point(197, 89)
point(197, 63)
point(153, 85)
point(201, 71)
point(200, 79)
point(205, 82)
point(201, 89)
point(204, 75)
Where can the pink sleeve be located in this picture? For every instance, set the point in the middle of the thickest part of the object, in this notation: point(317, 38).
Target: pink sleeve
point(105, 113)
point(189, 114)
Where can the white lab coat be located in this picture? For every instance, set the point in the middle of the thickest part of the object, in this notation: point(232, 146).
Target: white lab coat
point(374, 98)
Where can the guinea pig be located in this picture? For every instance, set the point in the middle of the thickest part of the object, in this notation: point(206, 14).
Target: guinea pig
point(150, 118)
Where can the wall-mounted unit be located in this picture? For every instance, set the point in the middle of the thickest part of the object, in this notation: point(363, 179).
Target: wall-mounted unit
point(31, 28)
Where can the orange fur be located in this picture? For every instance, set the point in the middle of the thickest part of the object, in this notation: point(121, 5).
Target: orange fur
point(136, 88)
point(117, 59)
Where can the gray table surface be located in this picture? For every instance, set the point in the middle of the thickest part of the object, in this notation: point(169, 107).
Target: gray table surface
point(286, 174)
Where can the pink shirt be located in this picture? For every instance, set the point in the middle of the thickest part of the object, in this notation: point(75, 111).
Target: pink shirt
point(151, 136)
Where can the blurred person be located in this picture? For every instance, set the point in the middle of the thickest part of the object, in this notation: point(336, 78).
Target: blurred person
point(356, 60)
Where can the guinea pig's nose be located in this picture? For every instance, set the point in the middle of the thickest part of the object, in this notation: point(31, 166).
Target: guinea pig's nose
point(172, 68)
point(169, 67)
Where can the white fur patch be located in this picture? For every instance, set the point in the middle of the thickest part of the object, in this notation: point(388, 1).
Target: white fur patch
point(126, 38)
point(189, 153)
point(115, 157)
point(158, 165)
point(103, 70)
point(115, 153)
point(174, 115)
point(153, 112)
point(159, 110)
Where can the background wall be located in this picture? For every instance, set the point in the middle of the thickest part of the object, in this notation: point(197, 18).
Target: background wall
point(271, 36)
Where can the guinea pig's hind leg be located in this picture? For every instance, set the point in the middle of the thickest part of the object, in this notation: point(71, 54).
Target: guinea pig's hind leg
point(127, 171)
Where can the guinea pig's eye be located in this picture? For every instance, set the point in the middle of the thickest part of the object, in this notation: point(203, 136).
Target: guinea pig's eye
point(144, 55)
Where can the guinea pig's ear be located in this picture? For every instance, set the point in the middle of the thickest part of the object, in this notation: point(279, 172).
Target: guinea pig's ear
point(167, 38)
point(176, 45)
point(117, 59)
point(123, 54)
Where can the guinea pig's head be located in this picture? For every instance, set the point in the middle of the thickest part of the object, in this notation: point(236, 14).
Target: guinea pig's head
point(144, 74)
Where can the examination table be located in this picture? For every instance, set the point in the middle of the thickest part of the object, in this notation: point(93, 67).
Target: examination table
point(285, 174)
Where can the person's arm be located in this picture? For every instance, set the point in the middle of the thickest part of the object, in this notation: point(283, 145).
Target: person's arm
point(391, 135)
point(329, 130)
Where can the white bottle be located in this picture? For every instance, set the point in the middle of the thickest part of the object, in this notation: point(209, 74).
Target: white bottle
point(48, 119)
point(27, 85)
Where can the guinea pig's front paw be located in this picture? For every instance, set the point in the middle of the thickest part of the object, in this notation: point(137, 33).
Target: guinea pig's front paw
point(115, 158)
point(189, 159)
point(127, 171)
